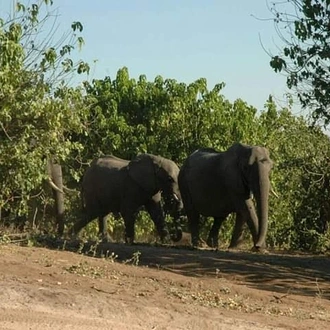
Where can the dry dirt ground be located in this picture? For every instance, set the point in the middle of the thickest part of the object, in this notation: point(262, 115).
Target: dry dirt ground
point(157, 287)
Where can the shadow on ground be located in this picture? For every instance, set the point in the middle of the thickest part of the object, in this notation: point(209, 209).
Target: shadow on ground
point(284, 273)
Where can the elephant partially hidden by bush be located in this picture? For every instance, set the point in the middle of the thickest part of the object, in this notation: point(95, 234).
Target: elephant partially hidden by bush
point(10, 216)
point(116, 185)
point(216, 184)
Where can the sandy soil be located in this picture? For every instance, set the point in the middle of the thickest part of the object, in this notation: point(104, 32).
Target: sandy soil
point(155, 287)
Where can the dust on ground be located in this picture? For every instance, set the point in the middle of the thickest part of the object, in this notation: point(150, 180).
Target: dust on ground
point(157, 287)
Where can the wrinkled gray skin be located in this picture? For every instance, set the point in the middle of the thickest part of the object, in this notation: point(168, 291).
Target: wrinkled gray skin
point(116, 185)
point(215, 184)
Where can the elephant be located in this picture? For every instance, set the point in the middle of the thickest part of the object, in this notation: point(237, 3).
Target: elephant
point(55, 181)
point(118, 186)
point(215, 184)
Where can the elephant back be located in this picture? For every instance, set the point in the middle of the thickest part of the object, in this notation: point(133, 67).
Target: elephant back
point(109, 161)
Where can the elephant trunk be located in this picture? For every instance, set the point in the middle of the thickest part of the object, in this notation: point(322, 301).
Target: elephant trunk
point(174, 207)
point(262, 195)
point(176, 235)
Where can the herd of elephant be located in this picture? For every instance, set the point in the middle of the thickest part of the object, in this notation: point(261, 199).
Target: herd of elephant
point(209, 183)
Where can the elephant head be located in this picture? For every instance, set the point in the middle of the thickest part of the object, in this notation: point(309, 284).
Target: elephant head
point(157, 174)
point(255, 165)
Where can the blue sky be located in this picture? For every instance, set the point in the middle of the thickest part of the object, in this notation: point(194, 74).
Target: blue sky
point(180, 39)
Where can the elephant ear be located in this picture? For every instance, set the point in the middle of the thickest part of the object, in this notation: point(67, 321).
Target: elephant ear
point(143, 171)
point(255, 151)
point(243, 155)
point(245, 158)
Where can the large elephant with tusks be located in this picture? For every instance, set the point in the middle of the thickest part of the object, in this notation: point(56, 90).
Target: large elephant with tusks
point(116, 185)
point(215, 184)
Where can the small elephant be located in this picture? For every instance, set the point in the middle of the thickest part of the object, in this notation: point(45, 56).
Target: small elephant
point(116, 185)
point(215, 184)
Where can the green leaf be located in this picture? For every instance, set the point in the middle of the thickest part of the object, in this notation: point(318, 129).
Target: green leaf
point(277, 63)
point(77, 26)
point(20, 7)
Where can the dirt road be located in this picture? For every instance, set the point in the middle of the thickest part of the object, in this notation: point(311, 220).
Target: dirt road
point(147, 287)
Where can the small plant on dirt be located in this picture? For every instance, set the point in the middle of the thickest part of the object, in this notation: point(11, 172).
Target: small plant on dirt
point(83, 269)
point(81, 247)
point(135, 260)
point(225, 290)
point(93, 248)
point(4, 239)
point(64, 245)
point(46, 260)
point(319, 293)
point(32, 241)
point(109, 256)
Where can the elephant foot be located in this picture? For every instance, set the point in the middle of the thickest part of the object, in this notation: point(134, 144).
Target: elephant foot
point(212, 242)
point(259, 249)
point(198, 243)
point(71, 235)
point(165, 240)
point(176, 235)
point(163, 233)
point(233, 246)
point(236, 243)
point(106, 238)
point(129, 240)
point(70, 232)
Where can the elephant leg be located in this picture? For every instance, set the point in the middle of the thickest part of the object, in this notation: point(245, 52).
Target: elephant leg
point(237, 236)
point(79, 225)
point(174, 209)
point(213, 238)
point(129, 221)
point(193, 220)
point(155, 210)
point(89, 213)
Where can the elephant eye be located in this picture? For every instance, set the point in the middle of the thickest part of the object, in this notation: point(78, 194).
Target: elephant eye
point(263, 160)
point(170, 179)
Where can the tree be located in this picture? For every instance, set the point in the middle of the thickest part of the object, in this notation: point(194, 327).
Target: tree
point(304, 27)
point(38, 111)
point(163, 116)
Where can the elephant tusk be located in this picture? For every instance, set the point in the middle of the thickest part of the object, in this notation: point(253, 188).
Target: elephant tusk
point(273, 192)
point(70, 190)
point(176, 197)
point(54, 186)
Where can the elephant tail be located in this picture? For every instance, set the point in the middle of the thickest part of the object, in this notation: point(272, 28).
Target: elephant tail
point(82, 199)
